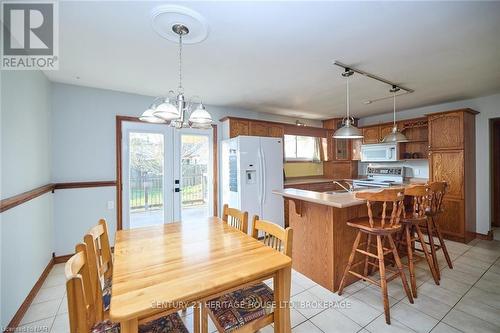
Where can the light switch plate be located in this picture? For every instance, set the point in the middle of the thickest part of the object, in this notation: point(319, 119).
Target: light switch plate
point(111, 204)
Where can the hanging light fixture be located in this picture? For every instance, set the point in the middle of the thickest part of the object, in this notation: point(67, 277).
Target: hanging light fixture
point(395, 135)
point(173, 108)
point(348, 130)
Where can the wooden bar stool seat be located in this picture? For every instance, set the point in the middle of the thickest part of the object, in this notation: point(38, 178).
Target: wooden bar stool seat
point(364, 223)
point(381, 228)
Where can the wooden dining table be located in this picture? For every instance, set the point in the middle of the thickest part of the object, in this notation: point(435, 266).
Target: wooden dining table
point(163, 268)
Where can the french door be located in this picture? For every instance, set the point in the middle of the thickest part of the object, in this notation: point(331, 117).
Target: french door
point(166, 174)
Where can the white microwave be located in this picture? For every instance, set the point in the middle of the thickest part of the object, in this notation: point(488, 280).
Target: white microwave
point(380, 152)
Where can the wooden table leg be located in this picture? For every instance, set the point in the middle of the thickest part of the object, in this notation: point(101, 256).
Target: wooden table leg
point(130, 326)
point(282, 285)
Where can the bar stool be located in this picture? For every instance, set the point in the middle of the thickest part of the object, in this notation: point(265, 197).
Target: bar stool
point(436, 192)
point(415, 215)
point(382, 228)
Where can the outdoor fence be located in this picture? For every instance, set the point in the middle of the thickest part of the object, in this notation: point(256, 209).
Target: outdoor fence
point(146, 191)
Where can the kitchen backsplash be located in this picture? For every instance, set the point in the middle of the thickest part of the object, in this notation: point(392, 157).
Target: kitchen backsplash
point(416, 169)
point(303, 169)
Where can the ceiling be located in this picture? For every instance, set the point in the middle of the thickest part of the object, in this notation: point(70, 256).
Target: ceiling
point(277, 57)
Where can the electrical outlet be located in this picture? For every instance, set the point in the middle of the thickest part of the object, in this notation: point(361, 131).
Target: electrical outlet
point(416, 172)
point(111, 204)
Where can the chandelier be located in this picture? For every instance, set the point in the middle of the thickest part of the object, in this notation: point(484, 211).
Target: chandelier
point(174, 109)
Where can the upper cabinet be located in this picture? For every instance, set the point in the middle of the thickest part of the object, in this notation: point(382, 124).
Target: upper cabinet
point(371, 134)
point(240, 126)
point(446, 131)
point(385, 130)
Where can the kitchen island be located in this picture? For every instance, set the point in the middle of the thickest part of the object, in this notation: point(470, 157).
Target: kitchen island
point(322, 240)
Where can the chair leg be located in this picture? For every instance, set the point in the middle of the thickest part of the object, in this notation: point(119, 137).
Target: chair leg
point(204, 318)
point(349, 263)
point(428, 257)
point(383, 281)
point(400, 268)
point(443, 245)
point(367, 258)
point(411, 266)
point(430, 234)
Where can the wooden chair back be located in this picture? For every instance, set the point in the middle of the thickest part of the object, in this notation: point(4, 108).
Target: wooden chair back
point(100, 260)
point(82, 308)
point(436, 190)
point(385, 196)
point(274, 235)
point(419, 200)
point(97, 240)
point(235, 218)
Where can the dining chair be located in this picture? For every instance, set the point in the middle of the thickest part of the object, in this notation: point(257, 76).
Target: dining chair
point(235, 218)
point(101, 260)
point(415, 215)
point(84, 311)
point(381, 227)
point(254, 303)
point(437, 191)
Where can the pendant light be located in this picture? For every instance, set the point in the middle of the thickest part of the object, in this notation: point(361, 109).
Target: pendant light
point(348, 130)
point(395, 135)
point(173, 108)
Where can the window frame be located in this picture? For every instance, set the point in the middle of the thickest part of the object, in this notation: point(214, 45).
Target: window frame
point(297, 159)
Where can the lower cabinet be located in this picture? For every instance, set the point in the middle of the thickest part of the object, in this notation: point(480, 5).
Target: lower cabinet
point(451, 220)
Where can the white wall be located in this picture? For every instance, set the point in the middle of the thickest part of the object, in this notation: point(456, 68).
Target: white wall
point(26, 230)
point(489, 107)
point(83, 149)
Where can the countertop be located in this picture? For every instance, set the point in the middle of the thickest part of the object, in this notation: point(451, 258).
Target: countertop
point(338, 200)
point(301, 181)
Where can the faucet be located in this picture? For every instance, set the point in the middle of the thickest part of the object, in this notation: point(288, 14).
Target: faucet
point(350, 189)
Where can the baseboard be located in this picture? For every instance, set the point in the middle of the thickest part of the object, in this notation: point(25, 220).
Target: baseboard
point(27, 301)
point(488, 236)
point(61, 259)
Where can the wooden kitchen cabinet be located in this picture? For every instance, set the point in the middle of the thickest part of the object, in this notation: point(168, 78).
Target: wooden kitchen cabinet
point(238, 127)
point(449, 166)
point(453, 211)
point(452, 158)
point(446, 131)
point(258, 128)
point(276, 131)
point(385, 130)
point(371, 134)
point(242, 126)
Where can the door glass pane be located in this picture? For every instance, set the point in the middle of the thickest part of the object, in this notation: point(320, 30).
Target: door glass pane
point(146, 170)
point(195, 168)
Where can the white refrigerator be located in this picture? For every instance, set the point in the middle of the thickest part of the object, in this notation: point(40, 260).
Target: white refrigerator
point(252, 167)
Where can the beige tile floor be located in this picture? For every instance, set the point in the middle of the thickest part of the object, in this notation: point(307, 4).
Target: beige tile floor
point(468, 300)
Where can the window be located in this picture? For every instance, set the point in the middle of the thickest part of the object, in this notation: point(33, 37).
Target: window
point(301, 148)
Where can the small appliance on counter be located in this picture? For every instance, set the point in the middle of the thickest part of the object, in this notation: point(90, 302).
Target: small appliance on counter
point(381, 176)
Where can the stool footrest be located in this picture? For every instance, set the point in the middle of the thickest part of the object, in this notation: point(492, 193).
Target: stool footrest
point(361, 276)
